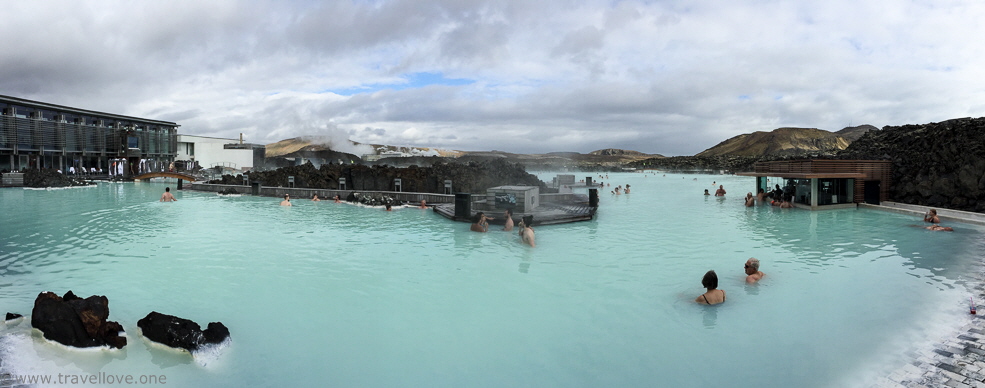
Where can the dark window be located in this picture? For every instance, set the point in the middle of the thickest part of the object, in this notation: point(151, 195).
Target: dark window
point(833, 191)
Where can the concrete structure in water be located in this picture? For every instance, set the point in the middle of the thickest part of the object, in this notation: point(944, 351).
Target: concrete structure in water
point(546, 209)
point(826, 183)
point(35, 135)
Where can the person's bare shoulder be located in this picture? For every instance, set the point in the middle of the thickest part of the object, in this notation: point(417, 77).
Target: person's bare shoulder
point(754, 277)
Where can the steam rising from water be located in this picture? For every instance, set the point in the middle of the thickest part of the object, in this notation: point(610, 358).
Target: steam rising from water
point(336, 139)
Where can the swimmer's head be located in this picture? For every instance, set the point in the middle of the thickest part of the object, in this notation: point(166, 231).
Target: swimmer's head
point(753, 263)
point(710, 280)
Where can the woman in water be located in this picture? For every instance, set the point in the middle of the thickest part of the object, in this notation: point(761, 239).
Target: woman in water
point(713, 295)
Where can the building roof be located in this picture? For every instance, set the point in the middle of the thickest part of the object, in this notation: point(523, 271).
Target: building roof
point(822, 168)
point(800, 175)
point(68, 109)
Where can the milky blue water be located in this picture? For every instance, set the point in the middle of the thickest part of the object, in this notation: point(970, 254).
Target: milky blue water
point(324, 294)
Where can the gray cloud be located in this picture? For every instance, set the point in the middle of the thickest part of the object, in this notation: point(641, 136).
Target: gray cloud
point(670, 77)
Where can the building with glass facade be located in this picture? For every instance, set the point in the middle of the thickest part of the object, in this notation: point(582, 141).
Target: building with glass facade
point(825, 183)
point(36, 135)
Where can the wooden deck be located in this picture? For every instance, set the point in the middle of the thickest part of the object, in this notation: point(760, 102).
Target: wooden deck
point(546, 214)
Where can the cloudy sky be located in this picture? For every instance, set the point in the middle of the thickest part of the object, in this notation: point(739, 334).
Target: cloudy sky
point(668, 77)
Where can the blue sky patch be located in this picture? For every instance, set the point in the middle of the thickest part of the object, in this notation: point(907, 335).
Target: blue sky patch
point(412, 81)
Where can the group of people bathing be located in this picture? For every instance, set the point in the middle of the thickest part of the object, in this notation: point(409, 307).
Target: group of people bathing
point(314, 198)
point(775, 198)
point(619, 190)
point(480, 223)
point(710, 282)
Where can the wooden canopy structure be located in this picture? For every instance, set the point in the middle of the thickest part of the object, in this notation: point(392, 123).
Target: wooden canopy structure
point(869, 180)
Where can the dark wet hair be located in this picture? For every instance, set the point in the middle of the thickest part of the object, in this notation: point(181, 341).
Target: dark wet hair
point(509, 212)
point(167, 189)
point(477, 217)
point(710, 281)
point(528, 220)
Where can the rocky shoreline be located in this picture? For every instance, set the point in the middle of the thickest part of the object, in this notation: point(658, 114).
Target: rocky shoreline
point(472, 177)
point(936, 164)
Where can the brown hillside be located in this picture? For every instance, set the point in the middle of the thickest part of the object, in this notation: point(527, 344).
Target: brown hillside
point(780, 141)
point(286, 146)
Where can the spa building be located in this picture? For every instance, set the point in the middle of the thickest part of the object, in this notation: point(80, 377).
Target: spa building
point(37, 135)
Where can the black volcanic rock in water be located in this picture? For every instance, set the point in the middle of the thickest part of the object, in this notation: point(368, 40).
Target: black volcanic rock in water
point(936, 164)
point(48, 177)
point(179, 332)
point(73, 321)
point(471, 177)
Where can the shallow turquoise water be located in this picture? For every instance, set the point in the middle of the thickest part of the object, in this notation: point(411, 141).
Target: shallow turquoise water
point(325, 294)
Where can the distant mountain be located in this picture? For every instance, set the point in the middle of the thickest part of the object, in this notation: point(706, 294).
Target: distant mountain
point(780, 141)
point(288, 147)
point(619, 152)
point(853, 133)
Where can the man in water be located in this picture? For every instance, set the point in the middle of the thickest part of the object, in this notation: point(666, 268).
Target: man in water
point(706, 192)
point(931, 217)
point(527, 232)
point(286, 201)
point(761, 195)
point(753, 274)
point(509, 220)
point(388, 208)
point(721, 191)
point(787, 202)
point(750, 200)
point(315, 198)
point(337, 199)
point(167, 196)
point(938, 228)
point(424, 205)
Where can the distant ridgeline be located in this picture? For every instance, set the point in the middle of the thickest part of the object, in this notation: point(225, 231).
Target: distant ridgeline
point(472, 177)
point(741, 152)
point(937, 164)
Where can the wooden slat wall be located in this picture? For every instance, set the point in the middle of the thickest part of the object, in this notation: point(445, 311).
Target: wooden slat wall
point(880, 170)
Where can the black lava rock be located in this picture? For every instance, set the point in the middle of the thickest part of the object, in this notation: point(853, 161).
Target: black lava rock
point(179, 332)
point(73, 321)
